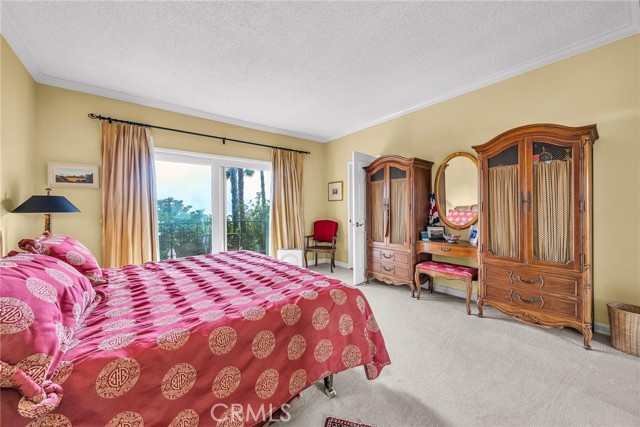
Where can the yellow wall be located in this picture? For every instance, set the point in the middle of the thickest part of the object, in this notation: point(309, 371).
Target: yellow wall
point(601, 86)
point(65, 133)
point(41, 123)
point(17, 147)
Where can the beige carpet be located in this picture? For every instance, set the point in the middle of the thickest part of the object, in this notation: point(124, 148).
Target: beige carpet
point(450, 369)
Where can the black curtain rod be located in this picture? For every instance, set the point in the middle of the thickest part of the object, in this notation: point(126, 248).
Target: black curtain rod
point(223, 139)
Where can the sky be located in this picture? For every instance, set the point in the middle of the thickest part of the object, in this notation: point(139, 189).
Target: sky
point(192, 184)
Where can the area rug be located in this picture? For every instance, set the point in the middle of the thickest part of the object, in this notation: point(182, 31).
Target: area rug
point(337, 422)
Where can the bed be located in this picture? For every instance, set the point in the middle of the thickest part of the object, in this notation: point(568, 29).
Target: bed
point(223, 340)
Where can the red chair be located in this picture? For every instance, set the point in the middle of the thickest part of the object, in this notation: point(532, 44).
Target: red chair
point(324, 231)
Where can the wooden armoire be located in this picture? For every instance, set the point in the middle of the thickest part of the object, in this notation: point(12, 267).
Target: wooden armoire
point(398, 191)
point(536, 225)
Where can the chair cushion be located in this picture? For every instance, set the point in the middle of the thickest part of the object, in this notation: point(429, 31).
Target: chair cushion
point(324, 230)
point(445, 267)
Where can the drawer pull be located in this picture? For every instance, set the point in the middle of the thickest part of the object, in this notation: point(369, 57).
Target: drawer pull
point(385, 268)
point(532, 301)
point(529, 282)
point(444, 249)
point(387, 256)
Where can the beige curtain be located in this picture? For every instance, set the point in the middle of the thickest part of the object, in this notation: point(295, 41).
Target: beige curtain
point(503, 211)
point(553, 212)
point(377, 211)
point(399, 205)
point(129, 218)
point(287, 206)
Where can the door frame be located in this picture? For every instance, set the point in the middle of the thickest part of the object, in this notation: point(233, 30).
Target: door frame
point(356, 200)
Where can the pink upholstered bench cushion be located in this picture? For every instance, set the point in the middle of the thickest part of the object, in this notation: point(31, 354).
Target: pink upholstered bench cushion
point(445, 267)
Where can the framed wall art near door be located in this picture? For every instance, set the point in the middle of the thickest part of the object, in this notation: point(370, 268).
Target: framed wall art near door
point(335, 191)
point(72, 175)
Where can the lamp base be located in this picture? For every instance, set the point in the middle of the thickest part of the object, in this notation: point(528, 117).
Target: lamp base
point(47, 222)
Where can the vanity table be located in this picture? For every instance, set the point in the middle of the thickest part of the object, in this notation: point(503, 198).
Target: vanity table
point(457, 203)
point(447, 270)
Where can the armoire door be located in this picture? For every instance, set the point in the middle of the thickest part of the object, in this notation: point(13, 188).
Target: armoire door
point(553, 202)
point(502, 198)
point(377, 206)
point(398, 201)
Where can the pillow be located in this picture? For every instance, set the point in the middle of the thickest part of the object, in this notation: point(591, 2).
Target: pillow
point(68, 250)
point(42, 302)
point(461, 217)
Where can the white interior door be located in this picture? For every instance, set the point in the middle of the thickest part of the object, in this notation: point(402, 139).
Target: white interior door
point(358, 209)
point(350, 212)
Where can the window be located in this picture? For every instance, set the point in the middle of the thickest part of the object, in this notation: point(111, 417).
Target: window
point(211, 203)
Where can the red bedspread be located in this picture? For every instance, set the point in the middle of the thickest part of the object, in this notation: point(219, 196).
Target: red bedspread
point(219, 339)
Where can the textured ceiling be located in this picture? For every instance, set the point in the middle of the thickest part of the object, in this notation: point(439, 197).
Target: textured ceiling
point(317, 70)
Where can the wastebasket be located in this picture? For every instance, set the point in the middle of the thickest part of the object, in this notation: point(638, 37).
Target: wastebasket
point(624, 320)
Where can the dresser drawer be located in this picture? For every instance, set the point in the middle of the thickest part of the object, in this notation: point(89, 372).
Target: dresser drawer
point(532, 300)
point(460, 249)
point(388, 256)
point(388, 268)
point(532, 281)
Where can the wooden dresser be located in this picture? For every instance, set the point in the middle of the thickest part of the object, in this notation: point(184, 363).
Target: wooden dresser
point(536, 225)
point(398, 192)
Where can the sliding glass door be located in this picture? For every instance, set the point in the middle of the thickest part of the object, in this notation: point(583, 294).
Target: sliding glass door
point(210, 203)
point(248, 198)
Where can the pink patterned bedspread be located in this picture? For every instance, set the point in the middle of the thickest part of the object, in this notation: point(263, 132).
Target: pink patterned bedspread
point(214, 340)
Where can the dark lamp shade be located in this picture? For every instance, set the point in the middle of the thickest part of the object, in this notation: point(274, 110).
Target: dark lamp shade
point(46, 204)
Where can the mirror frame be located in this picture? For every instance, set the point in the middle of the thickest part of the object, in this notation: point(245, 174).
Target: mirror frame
point(441, 210)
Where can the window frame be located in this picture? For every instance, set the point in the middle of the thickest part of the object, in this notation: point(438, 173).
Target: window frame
point(218, 181)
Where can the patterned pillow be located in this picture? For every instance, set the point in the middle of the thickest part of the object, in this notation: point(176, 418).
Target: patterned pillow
point(461, 217)
point(42, 303)
point(68, 250)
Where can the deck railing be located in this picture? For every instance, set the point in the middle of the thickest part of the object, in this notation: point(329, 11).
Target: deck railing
point(187, 238)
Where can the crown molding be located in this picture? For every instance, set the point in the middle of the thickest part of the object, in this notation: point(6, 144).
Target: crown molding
point(134, 99)
point(620, 33)
point(8, 29)
point(10, 33)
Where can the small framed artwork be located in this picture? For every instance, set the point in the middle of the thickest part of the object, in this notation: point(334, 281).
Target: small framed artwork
point(473, 235)
point(72, 175)
point(335, 191)
point(435, 232)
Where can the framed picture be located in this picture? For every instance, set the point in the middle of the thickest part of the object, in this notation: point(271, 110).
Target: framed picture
point(72, 175)
point(335, 191)
point(435, 232)
point(473, 235)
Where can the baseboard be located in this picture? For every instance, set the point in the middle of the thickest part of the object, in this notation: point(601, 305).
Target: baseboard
point(343, 265)
point(452, 291)
point(599, 328)
point(326, 261)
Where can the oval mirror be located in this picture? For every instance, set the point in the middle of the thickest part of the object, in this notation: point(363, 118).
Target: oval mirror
point(457, 190)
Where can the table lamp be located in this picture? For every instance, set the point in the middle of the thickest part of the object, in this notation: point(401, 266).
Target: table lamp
point(48, 205)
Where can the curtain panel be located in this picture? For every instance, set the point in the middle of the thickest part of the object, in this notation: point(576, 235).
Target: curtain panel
point(553, 211)
point(287, 205)
point(503, 211)
point(399, 205)
point(377, 210)
point(129, 216)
